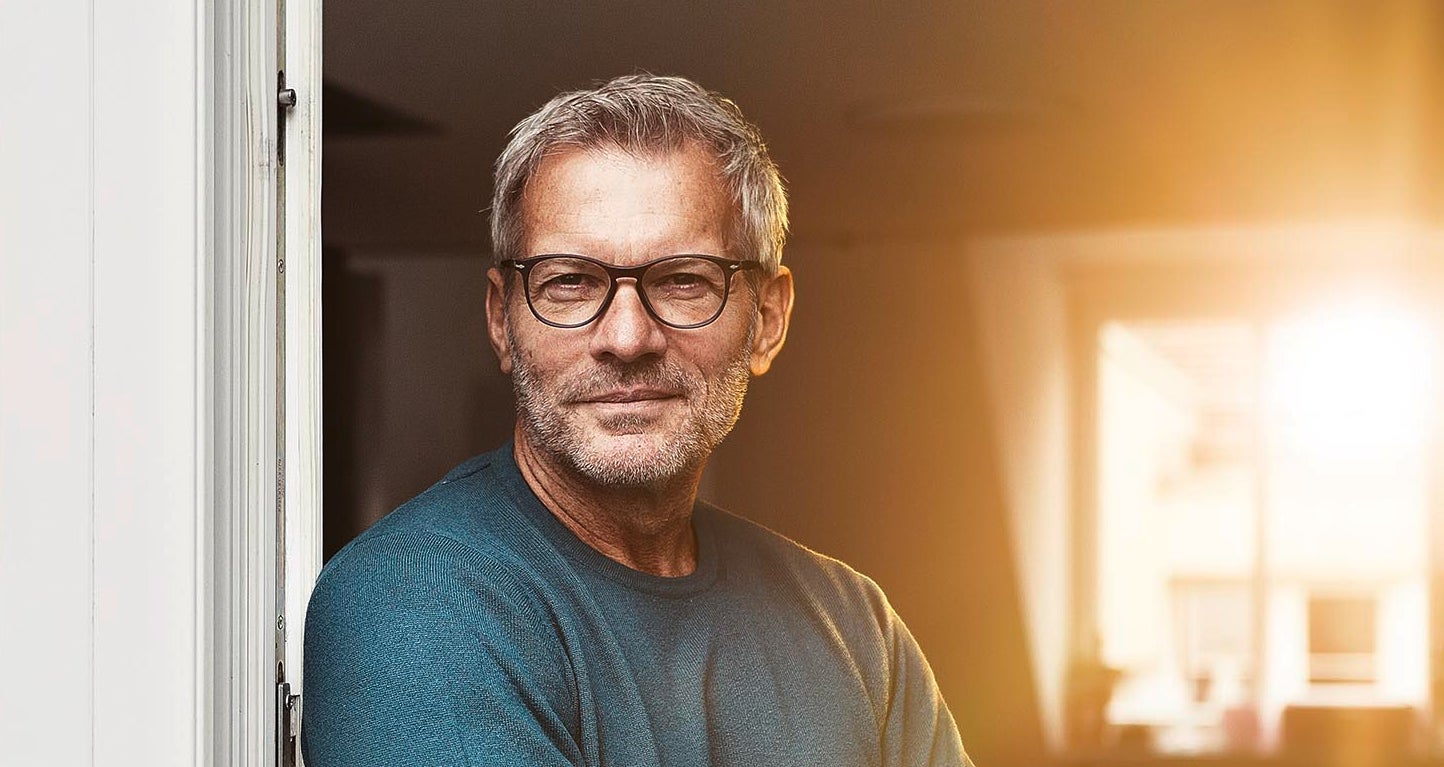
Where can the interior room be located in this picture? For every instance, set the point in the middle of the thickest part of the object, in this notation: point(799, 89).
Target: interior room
point(1115, 359)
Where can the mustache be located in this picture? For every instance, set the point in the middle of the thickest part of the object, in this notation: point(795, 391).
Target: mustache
point(610, 377)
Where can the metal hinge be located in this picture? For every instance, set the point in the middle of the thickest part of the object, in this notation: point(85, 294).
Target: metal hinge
point(285, 97)
point(288, 725)
point(285, 101)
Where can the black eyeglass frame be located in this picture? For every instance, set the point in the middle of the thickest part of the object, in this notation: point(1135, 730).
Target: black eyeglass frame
point(730, 267)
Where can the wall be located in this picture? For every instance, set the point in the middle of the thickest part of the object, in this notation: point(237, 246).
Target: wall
point(412, 386)
point(101, 436)
point(1019, 303)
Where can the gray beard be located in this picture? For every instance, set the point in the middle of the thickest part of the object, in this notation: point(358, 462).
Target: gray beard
point(714, 405)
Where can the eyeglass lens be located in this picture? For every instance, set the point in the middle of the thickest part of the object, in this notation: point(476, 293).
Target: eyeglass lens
point(681, 291)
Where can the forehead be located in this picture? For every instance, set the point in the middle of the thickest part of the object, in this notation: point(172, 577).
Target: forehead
point(621, 206)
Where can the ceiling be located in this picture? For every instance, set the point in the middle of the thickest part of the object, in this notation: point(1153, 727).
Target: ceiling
point(916, 120)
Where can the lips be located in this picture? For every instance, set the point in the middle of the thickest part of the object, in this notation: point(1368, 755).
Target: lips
point(631, 395)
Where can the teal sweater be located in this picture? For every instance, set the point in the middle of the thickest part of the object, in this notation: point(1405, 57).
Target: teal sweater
point(469, 627)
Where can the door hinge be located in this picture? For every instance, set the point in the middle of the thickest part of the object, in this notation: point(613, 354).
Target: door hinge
point(285, 101)
point(288, 725)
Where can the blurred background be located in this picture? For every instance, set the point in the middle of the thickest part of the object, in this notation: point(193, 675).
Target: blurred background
point(1115, 358)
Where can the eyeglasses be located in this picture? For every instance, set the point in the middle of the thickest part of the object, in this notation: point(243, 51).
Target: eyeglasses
point(684, 292)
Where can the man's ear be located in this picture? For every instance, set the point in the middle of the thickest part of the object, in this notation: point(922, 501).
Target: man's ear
point(774, 313)
point(496, 310)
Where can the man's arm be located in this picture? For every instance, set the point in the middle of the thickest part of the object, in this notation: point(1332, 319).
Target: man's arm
point(419, 654)
point(919, 731)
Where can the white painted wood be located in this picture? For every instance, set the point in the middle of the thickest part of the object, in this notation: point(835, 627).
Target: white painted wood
point(147, 355)
point(302, 246)
point(138, 379)
point(45, 384)
point(243, 341)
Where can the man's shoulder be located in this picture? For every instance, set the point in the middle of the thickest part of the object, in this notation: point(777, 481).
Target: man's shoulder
point(465, 504)
point(466, 522)
point(738, 530)
point(755, 550)
point(422, 618)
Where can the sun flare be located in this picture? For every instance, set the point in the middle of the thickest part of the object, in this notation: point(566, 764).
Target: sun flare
point(1352, 381)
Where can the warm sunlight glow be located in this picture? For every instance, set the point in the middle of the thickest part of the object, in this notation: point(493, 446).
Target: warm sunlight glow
point(1354, 382)
point(1263, 521)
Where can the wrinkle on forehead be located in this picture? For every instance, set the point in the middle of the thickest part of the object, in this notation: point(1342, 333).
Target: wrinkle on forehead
point(640, 205)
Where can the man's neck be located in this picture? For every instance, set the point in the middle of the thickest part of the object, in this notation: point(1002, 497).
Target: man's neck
point(645, 528)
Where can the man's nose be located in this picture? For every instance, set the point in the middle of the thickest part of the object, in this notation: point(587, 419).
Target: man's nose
point(626, 330)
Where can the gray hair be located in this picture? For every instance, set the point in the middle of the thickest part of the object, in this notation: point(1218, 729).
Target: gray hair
point(645, 113)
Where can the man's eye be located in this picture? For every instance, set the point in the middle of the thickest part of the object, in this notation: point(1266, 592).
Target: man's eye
point(688, 281)
point(569, 280)
point(569, 286)
point(685, 280)
point(573, 279)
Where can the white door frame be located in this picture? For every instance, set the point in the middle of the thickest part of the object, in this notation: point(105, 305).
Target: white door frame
point(301, 325)
point(302, 329)
point(262, 307)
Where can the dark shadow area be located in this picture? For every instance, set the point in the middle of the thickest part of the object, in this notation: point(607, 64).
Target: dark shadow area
point(349, 115)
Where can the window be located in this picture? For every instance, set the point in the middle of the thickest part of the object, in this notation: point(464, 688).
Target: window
point(1259, 482)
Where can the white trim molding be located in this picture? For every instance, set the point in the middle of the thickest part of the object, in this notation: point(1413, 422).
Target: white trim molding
point(243, 265)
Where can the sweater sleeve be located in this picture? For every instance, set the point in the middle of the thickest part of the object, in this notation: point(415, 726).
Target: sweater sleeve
point(418, 652)
point(918, 730)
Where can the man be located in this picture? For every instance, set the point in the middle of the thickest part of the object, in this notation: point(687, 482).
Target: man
point(566, 600)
